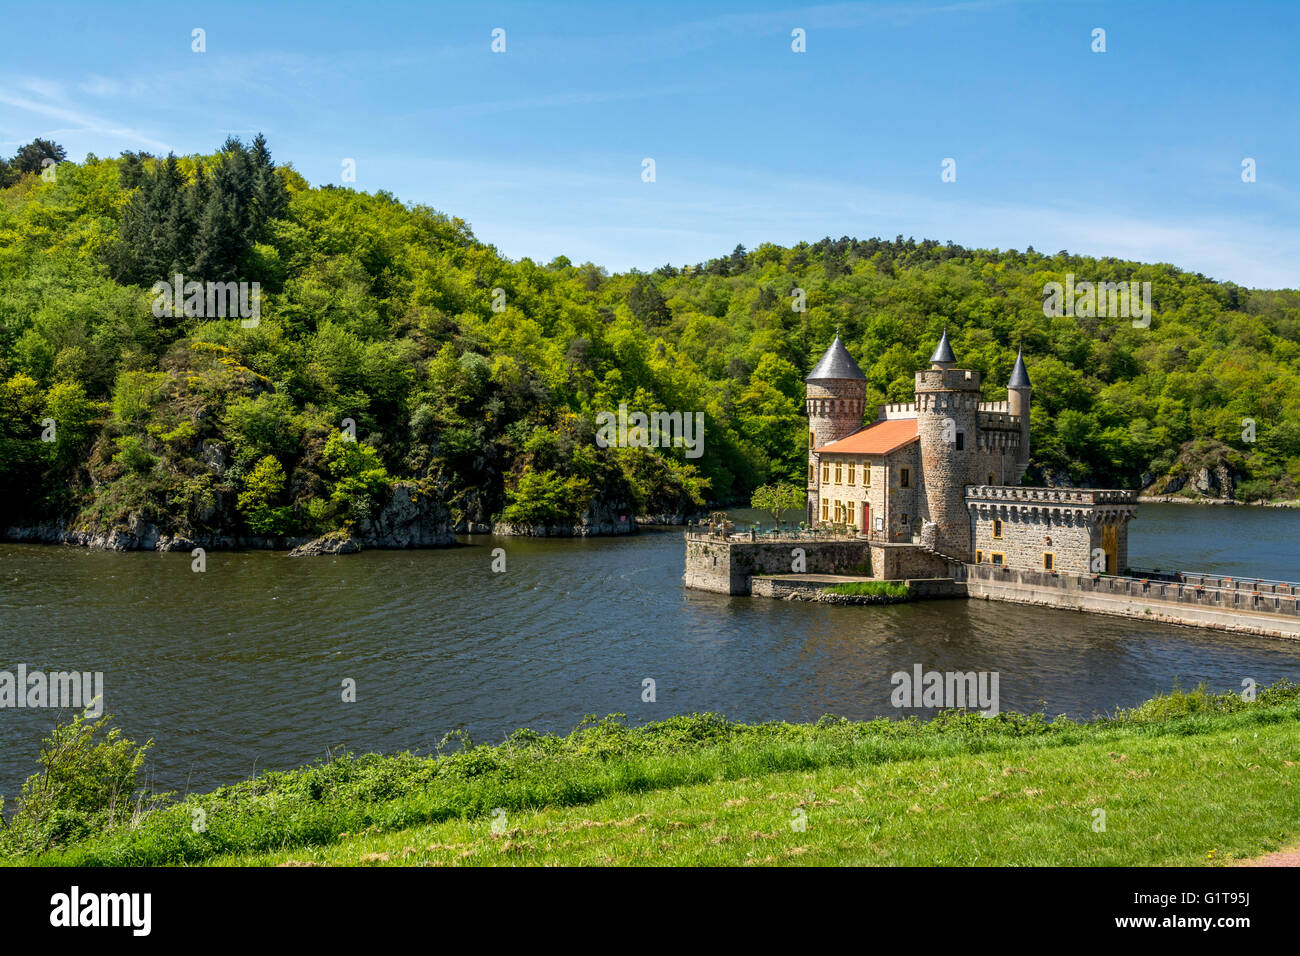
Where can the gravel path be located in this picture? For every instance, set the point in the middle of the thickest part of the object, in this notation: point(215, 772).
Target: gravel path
point(1289, 857)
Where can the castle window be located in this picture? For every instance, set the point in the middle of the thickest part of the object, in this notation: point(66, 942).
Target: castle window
point(811, 473)
point(812, 440)
point(853, 521)
point(866, 473)
point(997, 558)
point(838, 473)
point(979, 557)
point(1049, 561)
point(905, 477)
point(997, 527)
point(825, 507)
point(853, 473)
point(992, 480)
point(826, 474)
point(902, 520)
point(961, 441)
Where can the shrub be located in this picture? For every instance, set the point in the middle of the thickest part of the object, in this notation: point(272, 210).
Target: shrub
point(88, 783)
point(262, 486)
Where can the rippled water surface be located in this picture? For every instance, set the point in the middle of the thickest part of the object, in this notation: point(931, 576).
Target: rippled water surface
point(240, 669)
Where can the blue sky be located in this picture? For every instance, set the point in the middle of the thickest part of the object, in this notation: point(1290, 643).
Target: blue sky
point(1135, 152)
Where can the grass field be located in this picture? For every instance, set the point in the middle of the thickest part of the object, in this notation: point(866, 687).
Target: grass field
point(1188, 778)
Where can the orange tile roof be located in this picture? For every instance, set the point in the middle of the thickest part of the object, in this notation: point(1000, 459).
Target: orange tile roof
point(878, 438)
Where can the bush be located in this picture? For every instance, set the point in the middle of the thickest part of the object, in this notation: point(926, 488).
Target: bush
point(546, 498)
point(88, 783)
point(261, 488)
point(132, 455)
point(360, 479)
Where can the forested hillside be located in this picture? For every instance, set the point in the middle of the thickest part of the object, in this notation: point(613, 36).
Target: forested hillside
point(389, 315)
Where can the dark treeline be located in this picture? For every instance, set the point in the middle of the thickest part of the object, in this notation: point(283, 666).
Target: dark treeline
point(203, 224)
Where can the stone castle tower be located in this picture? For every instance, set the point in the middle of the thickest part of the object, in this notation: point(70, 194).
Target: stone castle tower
point(1018, 390)
point(947, 416)
point(835, 395)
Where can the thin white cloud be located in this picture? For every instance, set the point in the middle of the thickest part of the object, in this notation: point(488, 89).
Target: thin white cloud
point(100, 86)
point(81, 121)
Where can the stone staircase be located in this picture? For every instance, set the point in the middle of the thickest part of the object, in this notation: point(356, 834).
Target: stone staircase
point(956, 566)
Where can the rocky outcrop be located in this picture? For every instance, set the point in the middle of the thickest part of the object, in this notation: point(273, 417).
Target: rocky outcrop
point(601, 518)
point(672, 518)
point(1203, 469)
point(138, 536)
point(336, 542)
point(412, 518)
point(581, 530)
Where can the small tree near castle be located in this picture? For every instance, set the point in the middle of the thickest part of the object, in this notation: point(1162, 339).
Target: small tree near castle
point(777, 499)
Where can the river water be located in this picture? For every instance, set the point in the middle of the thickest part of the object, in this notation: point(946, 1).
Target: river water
point(242, 668)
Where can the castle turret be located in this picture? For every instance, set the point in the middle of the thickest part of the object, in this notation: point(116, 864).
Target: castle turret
point(943, 357)
point(947, 409)
point(1018, 391)
point(836, 394)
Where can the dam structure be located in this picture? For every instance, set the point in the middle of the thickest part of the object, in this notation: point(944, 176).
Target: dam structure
point(928, 493)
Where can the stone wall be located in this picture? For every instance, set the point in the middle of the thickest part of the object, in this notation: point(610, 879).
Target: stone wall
point(796, 588)
point(894, 562)
point(1274, 613)
point(882, 493)
point(726, 567)
point(1074, 525)
point(1025, 539)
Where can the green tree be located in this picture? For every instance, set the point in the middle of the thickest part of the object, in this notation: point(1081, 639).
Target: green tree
point(360, 480)
point(546, 498)
point(263, 487)
point(778, 499)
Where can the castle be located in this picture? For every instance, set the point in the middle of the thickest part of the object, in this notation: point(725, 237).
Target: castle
point(938, 477)
point(928, 493)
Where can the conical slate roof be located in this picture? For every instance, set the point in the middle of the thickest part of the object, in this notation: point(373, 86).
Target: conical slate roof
point(943, 351)
point(836, 363)
point(1019, 374)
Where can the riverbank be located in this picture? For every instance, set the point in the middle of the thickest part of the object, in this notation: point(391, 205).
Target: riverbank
point(1186, 778)
point(1184, 500)
point(147, 537)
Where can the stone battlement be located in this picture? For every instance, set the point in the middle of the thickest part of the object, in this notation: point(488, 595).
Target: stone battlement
point(947, 379)
point(1002, 421)
point(1009, 494)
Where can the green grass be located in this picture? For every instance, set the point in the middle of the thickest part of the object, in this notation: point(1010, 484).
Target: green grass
point(1185, 778)
point(870, 589)
point(1209, 798)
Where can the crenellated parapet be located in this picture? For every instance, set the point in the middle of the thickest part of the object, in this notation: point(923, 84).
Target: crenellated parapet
point(1051, 496)
point(1081, 530)
point(1001, 421)
point(897, 410)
